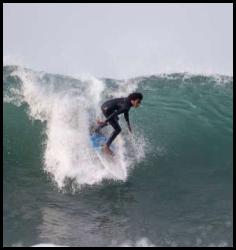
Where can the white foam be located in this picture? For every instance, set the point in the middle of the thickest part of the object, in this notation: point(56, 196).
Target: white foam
point(68, 106)
point(142, 242)
point(47, 245)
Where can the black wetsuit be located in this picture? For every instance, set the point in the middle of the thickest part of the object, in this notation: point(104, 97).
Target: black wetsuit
point(111, 109)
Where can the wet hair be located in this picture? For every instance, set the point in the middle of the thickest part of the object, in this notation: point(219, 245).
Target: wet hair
point(135, 96)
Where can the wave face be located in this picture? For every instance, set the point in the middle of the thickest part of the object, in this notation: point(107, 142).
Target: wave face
point(178, 162)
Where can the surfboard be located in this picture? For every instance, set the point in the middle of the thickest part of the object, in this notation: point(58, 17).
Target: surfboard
point(109, 162)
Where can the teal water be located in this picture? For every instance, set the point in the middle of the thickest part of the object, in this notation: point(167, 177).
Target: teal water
point(179, 162)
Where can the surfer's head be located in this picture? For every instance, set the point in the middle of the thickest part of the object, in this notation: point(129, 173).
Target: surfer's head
point(135, 99)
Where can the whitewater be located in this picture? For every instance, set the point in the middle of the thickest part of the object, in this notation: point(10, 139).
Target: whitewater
point(69, 107)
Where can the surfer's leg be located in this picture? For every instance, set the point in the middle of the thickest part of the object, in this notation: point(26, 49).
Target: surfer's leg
point(117, 130)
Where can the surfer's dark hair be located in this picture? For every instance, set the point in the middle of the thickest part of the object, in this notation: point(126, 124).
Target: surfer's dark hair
point(135, 96)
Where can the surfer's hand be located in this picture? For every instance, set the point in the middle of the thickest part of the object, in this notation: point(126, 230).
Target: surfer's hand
point(130, 130)
point(101, 122)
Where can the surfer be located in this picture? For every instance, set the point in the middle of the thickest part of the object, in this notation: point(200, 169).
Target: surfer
point(111, 109)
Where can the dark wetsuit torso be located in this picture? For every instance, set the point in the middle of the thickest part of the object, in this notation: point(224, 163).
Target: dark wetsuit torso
point(114, 107)
point(111, 109)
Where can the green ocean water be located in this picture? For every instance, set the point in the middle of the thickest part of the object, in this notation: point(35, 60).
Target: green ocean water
point(178, 190)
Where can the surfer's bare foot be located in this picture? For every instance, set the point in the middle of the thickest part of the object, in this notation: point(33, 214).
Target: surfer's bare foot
point(107, 150)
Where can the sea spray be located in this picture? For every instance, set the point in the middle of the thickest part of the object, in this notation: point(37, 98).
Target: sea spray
point(69, 107)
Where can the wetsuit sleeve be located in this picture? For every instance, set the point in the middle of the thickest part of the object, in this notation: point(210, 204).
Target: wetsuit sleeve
point(126, 115)
point(117, 112)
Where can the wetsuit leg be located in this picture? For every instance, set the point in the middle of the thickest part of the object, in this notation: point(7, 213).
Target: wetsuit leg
point(113, 122)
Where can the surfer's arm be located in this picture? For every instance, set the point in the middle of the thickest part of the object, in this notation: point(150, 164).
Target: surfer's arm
point(126, 115)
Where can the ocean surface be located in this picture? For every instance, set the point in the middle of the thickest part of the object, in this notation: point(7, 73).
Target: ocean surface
point(177, 188)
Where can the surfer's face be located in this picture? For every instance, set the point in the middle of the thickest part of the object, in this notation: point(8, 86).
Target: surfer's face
point(136, 103)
